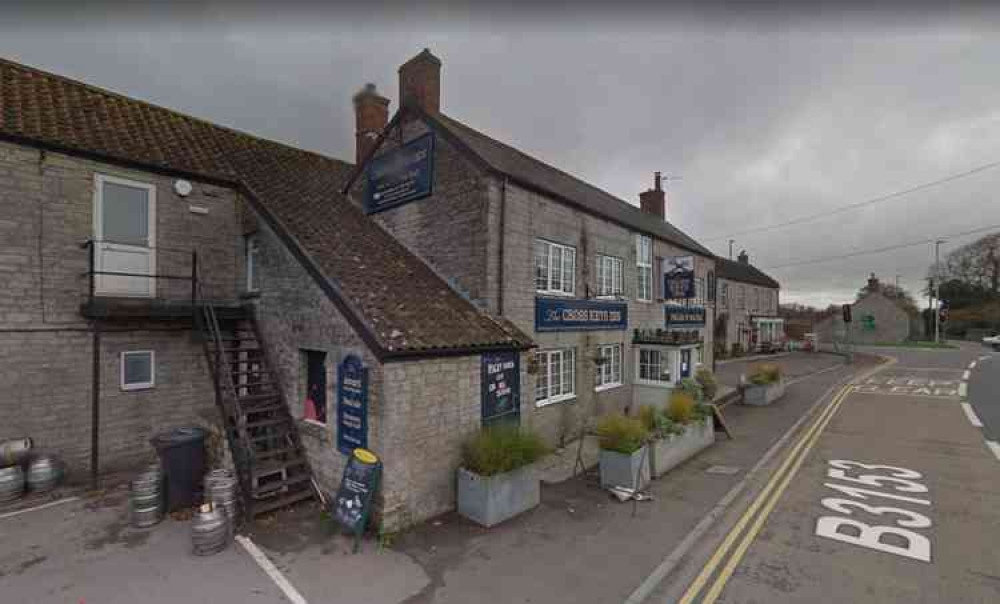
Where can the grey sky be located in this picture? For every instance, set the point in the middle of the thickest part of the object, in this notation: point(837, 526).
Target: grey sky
point(764, 124)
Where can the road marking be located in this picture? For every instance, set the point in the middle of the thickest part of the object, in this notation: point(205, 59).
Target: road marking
point(972, 365)
point(963, 390)
point(272, 571)
point(779, 474)
point(994, 447)
point(37, 507)
point(984, 357)
point(965, 374)
point(969, 413)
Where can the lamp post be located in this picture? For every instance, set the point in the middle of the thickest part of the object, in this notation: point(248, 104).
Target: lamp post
point(937, 290)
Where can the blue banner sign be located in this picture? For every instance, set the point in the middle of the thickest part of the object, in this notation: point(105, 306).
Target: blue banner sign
point(678, 278)
point(501, 378)
point(560, 314)
point(689, 316)
point(352, 405)
point(401, 175)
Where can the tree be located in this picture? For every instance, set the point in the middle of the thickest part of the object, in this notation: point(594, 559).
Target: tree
point(976, 265)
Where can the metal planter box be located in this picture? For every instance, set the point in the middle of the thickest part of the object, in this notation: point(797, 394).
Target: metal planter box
point(620, 469)
point(489, 500)
point(761, 395)
point(668, 453)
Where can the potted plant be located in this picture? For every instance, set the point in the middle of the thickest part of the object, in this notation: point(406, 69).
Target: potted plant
point(496, 480)
point(678, 433)
point(623, 452)
point(709, 386)
point(765, 386)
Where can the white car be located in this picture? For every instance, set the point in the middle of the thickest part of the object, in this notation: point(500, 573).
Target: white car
point(993, 341)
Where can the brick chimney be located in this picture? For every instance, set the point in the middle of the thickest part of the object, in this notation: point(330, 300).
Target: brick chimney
point(743, 257)
point(873, 285)
point(371, 114)
point(420, 82)
point(654, 201)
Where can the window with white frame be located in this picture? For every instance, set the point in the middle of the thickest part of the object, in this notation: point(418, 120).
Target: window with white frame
point(609, 276)
point(556, 377)
point(555, 268)
point(655, 366)
point(741, 297)
point(724, 294)
point(253, 256)
point(609, 369)
point(138, 370)
point(644, 266)
point(699, 289)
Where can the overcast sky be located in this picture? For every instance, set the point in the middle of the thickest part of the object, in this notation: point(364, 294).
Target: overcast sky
point(765, 119)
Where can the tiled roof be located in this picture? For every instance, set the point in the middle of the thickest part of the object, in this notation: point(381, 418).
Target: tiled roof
point(746, 273)
point(537, 174)
point(384, 289)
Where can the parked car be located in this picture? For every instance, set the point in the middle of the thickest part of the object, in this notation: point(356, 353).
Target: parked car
point(993, 342)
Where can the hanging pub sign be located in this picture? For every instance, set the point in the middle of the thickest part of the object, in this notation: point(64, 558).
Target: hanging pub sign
point(684, 316)
point(352, 405)
point(560, 314)
point(678, 278)
point(501, 380)
point(401, 175)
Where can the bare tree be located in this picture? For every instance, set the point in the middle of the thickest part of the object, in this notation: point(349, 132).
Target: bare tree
point(976, 264)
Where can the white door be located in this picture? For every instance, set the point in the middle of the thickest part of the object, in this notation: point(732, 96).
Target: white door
point(124, 230)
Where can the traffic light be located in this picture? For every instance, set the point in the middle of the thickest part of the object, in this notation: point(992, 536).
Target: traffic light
point(846, 308)
point(943, 314)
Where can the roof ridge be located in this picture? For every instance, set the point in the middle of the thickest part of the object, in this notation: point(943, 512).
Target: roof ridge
point(123, 97)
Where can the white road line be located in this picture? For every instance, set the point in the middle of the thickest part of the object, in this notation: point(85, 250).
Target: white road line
point(272, 571)
point(969, 413)
point(963, 390)
point(965, 375)
point(994, 447)
point(984, 357)
point(37, 507)
point(972, 365)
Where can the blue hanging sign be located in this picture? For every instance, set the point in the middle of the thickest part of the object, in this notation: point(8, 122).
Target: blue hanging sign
point(561, 314)
point(688, 316)
point(678, 278)
point(501, 379)
point(352, 405)
point(401, 175)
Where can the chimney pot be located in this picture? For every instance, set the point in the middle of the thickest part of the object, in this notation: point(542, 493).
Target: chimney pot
point(371, 114)
point(420, 82)
point(744, 258)
point(654, 201)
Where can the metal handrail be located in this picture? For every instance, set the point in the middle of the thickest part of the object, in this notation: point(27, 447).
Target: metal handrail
point(91, 248)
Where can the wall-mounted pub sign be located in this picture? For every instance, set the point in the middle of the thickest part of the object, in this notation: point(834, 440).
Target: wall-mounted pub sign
point(352, 405)
point(560, 314)
point(401, 175)
point(501, 379)
point(678, 278)
point(684, 316)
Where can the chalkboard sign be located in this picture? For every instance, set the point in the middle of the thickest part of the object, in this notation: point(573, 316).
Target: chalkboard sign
point(501, 378)
point(352, 504)
point(352, 405)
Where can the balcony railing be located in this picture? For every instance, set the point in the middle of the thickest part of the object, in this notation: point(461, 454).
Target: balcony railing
point(157, 289)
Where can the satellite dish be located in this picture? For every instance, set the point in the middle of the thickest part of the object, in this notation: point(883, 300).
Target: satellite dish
point(182, 187)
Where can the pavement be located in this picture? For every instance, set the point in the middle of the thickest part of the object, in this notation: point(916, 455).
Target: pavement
point(889, 493)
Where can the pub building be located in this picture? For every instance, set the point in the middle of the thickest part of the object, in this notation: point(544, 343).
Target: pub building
point(614, 296)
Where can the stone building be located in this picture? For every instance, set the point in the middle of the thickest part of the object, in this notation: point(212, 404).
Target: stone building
point(580, 271)
point(161, 271)
point(747, 300)
point(875, 318)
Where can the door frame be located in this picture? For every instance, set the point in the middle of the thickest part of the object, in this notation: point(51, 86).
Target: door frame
point(98, 230)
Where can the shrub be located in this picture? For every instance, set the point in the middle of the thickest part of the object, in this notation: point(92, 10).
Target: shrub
point(621, 434)
point(708, 384)
point(693, 388)
point(658, 423)
point(681, 407)
point(500, 449)
point(765, 373)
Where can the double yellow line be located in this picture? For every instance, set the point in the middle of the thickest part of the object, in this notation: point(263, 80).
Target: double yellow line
point(764, 503)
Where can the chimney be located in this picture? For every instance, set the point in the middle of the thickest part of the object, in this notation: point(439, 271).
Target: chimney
point(743, 257)
point(873, 285)
point(420, 82)
point(371, 114)
point(654, 201)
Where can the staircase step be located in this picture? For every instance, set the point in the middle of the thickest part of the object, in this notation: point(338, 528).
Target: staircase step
point(270, 467)
point(275, 453)
point(269, 505)
point(277, 485)
point(266, 407)
point(268, 422)
point(267, 437)
point(257, 398)
point(250, 371)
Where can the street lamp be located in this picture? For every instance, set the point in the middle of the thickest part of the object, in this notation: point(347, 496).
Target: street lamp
point(937, 290)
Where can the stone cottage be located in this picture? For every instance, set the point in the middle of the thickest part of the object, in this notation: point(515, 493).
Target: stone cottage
point(875, 318)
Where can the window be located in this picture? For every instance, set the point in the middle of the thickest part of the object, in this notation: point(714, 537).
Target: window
point(314, 403)
point(556, 376)
point(741, 297)
point(609, 371)
point(555, 268)
point(138, 372)
point(699, 289)
point(644, 265)
point(609, 276)
point(253, 253)
point(712, 291)
point(724, 294)
point(655, 366)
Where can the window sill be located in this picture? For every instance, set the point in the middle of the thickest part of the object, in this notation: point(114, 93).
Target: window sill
point(664, 385)
point(250, 295)
point(554, 294)
point(604, 387)
point(313, 428)
point(552, 401)
point(137, 387)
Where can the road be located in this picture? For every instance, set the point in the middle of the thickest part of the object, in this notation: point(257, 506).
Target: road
point(888, 494)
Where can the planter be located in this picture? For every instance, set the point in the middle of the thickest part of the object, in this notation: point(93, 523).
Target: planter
point(489, 500)
point(621, 469)
point(761, 395)
point(668, 453)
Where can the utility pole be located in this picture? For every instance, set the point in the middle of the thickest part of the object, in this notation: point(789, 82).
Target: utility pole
point(731, 242)
point(937, 290)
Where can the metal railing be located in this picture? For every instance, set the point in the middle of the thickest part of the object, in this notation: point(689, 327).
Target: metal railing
point(91, 245)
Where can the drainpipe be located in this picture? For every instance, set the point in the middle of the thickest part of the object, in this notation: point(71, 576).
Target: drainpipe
point(95, 405)
point(503, 213)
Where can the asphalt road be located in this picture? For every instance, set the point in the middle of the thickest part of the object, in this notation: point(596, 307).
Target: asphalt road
point(984, 392)
point(889, 494)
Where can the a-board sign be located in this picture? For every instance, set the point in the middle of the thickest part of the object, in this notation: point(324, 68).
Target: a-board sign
point(501, 385)
point(352, 504)
point(352, 405)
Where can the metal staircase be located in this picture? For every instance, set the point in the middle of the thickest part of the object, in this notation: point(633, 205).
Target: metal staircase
point(267, 453)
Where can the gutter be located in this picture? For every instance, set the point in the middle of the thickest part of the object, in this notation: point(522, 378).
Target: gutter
point(500, 273)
